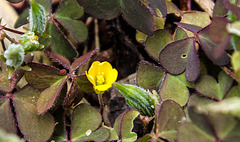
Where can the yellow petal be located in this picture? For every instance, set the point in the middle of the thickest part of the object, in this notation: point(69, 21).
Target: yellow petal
point(111, 76)
point(91, 79)
point(103, 87)
point(104, 67)
point(93, 70)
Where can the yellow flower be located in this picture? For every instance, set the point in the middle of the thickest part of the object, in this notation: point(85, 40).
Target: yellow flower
point(102, 76)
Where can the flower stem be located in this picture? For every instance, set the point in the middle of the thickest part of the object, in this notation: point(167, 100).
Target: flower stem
point(100, 99)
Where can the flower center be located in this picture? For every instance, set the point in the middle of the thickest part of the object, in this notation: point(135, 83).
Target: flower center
point(100, 78)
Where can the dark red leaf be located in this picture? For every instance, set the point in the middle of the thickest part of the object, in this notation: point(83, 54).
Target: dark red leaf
point(60, 59)
point(82, 60)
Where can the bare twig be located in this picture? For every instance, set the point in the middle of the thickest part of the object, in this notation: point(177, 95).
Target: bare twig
point(13, 31)
point(11, 39)
point(3, 45)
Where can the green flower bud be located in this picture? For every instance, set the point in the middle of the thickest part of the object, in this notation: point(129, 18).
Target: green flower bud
point(137, 98)
point(29, 41)
point(14, 55)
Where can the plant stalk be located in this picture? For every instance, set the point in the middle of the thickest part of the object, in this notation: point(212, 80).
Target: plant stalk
point(101, 103)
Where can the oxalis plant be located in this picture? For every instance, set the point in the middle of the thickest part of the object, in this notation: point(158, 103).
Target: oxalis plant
point(186, 87)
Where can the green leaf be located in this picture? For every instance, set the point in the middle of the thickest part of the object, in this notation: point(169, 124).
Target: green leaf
point(235, 63)
point(179, 34)
point(198, 100)
point(138, 15)
point(137, 98)
point(99, 135)
point(83, 84)
point(75, 12)
point(49, 95)
point(234, 92)
point(144, 138)
point(208, 86)
point(39, 127)
point(174, 89)
point(42, 76)
point(124, 124)
point(59, 44)
point(102, 9)
point(85, 123)
point(155, 43)
point(77, 28)
point(7, 120)
point(191, 133)
point(37, 18)
point(168, 119)
point(149, 76)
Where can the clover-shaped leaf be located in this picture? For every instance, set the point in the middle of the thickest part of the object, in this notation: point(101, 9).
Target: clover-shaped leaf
point(124, 124)
point(174, 89)
point(149, 76)
point(208, 86)
point(85, 125)
point(41, 127)
point(154, 44)
point(181, 55)
point(209, 47)
point(167, 119)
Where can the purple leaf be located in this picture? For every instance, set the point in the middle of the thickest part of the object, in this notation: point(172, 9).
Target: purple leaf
point(82, 60)
point(209, 47)
point(192, 28)
point(235, 9)
point(60, 59)
point(218, 29)
point(193, 65)
point(179, 55)
point(138, 15)
point(158, 4)
point(37, 127)
point(42, 76)
point(48, 97)
point(220, 49)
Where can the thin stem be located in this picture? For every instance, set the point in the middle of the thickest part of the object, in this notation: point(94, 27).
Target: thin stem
point(13, 31)
point(101, 103)
point(96, 30)
point(3, 45)
point(11, 39)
